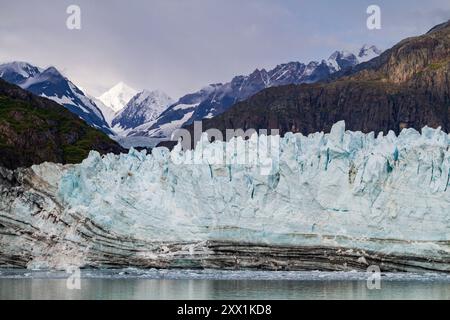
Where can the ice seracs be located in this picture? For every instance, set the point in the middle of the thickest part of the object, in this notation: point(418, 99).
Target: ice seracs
point(333, 198)
point(348, 185)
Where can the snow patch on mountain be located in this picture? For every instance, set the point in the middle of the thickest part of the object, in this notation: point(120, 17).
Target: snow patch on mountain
point(341, 60)
point(18, 71)
point(106, 111)
point(161, 131)
point(144, 107)
point(368, 52)
point(62, 100)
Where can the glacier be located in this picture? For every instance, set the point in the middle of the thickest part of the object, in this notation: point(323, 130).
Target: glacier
point(334, 202)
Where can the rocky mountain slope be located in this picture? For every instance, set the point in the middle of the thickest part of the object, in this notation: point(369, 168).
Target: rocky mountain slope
point(51, 84)
point(407, 86)
point(117, 97)
point(144, 107)
point(35, 129)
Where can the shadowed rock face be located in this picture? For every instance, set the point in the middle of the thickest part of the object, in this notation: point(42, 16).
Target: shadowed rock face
point(34, 130)
point(407, 86)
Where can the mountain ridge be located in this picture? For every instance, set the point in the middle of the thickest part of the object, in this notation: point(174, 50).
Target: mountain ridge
point(407, 86)
point(50, 83)
point(144, 107)
point(217, 98)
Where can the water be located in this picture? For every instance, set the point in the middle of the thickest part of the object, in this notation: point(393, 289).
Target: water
point(208, 284)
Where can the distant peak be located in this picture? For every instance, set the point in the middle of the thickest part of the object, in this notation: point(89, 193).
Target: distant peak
point(343, 54)
point(52, 71)
point(22, 68)
point(145, 92)
point(122, 86)
point(369, 48)
point(118, 96)
point(366, 46)
point(313, 63)
point(368, 52)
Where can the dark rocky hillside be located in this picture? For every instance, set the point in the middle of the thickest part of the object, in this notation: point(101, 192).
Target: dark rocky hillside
point(407, 86)
point(34, 130)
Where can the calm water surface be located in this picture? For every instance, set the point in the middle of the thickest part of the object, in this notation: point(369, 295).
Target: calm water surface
point(205, 285)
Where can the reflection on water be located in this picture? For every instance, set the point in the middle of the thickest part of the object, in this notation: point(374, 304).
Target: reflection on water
point(138, 287)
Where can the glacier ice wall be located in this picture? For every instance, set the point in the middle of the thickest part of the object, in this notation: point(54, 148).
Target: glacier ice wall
point(342, 184)
point(349, 190)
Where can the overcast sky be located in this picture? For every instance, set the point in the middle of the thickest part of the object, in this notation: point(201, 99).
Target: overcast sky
point(179, 46)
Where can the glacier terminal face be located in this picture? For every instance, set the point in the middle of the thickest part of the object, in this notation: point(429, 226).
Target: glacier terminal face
point(338, 201)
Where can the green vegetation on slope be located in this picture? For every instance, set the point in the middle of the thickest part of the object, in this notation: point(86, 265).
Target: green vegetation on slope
point(35, 130)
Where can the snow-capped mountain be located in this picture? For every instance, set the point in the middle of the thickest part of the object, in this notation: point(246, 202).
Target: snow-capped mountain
point(368, 52)
point(175, 116)
point(144, 107)
point(18, 71)
point(51, 84)
point(118, 96)
point(217, 98)
point(340, 60)
point(153, 114)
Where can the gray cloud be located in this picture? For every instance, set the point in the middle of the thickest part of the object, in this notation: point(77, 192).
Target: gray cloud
point(180, 45)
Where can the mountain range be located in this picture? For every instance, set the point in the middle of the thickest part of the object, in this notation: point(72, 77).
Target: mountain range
point(405, 87)
point(215, 99)
point(144, 107)
point(116, 98)
point(127, 114)
point(338, 201)
point(132, 108)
